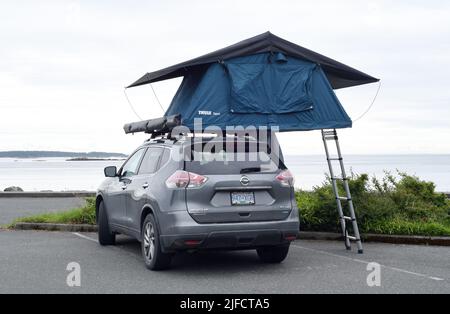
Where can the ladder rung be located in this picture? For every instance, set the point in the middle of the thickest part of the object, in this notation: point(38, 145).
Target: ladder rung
point(330, 137)
point(331, 132)
point(339, 178)
point(343, 198)
point(352, 238)
point(348, 218)
point(336, 158)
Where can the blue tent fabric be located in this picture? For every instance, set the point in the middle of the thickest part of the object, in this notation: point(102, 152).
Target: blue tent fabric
point(339, 75)
point(261, 90)
point(270, 87)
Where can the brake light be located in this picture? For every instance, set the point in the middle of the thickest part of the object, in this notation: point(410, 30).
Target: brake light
point(196, 180)
point(286, 178)
point(183, 179)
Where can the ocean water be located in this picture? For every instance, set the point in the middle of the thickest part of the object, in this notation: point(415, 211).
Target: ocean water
point(57, 174)
point(309, 170)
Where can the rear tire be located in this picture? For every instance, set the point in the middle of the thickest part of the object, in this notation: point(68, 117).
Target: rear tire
point(153, 256)
point(105, 236)
point(273, 254)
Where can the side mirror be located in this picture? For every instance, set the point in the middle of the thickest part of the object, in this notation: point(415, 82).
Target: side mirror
point(110, 172)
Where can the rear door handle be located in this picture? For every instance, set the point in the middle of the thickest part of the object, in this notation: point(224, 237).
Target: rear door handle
point(145, 185)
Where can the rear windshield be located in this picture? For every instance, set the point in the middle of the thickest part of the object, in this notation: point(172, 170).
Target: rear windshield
point(231, 158)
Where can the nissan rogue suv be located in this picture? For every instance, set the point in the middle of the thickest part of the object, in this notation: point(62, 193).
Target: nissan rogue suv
point(207, 193)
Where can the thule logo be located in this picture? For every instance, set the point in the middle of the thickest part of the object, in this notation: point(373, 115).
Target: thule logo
point(208, 113)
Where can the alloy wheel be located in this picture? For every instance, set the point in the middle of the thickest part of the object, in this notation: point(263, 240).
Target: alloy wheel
point(149, 241)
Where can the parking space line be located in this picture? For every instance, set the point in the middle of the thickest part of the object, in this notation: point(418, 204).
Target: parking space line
point(112, 247)
point(366, 262)
point(84, 237)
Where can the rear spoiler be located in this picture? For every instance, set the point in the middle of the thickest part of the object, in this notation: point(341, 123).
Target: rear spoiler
point(154, 126)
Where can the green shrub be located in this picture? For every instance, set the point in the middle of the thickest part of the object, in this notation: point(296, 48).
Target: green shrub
point(393, 205)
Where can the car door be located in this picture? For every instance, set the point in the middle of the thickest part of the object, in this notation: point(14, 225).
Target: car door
point(139, 190)
point(116, 201)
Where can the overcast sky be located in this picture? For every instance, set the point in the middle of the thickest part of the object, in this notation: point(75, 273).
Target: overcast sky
point(63, 66)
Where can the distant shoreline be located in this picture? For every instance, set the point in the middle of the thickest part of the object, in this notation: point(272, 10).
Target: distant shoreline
point(60, 154)
point(94, 159)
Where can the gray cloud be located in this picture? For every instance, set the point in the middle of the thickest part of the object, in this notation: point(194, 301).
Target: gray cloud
point(63, 65)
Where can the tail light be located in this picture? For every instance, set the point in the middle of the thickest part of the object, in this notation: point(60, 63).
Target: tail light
point(286, 178)
point(183, 179)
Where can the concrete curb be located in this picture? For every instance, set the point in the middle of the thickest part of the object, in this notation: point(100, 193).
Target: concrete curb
point(304, 235)
point(54, 227)
point(383, 238)
point(47, 194)
point(74, 194)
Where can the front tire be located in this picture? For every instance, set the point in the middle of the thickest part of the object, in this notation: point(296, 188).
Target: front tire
point(105, 236)
point(154, 258)
point(273, 254)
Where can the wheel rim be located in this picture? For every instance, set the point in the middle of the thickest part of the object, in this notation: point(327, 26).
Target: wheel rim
point(149, 241)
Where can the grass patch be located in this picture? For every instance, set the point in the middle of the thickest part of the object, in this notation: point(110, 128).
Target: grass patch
point(82, 215)
point(402, 205)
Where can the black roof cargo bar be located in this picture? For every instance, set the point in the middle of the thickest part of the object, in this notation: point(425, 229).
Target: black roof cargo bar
point(155, 127)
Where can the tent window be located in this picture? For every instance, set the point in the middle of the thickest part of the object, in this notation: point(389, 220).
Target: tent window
point(270, 88)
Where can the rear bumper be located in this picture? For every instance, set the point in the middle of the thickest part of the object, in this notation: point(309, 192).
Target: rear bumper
point(187, 234)
point(228, 240)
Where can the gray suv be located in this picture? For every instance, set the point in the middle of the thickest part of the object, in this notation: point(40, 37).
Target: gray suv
point(175, 195)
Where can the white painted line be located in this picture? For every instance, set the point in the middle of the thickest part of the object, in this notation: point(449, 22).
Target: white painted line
point(115, 248)
point(84, 237)
point(366, 262)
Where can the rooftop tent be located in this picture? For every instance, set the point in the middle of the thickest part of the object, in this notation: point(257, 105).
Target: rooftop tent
point(261, 81)
point(264, 81)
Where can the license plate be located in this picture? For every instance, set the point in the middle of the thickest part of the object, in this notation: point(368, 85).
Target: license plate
point(242, 198)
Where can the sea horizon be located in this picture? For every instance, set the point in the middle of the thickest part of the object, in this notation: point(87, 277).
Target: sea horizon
point(58, 174)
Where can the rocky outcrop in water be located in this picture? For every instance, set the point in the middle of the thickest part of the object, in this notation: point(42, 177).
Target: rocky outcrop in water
point(13, 189)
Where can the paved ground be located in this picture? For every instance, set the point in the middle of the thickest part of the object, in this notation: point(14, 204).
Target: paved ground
point(12, 208)
point(32, 261)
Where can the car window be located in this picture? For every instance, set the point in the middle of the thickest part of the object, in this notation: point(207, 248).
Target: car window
point(231, 160)
point(165, 158)
point(131, 165)
point(151, 159)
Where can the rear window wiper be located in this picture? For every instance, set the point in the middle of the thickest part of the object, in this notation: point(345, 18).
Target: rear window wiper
point(250, 169)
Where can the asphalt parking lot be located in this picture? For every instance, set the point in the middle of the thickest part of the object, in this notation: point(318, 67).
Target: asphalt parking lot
point(35, 262)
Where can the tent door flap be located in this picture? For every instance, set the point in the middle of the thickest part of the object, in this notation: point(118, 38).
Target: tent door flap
point(271, 88)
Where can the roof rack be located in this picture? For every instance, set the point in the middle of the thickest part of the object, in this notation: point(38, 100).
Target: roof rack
point(155, 127)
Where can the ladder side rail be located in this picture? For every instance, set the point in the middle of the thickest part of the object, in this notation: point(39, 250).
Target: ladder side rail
point(349, 197)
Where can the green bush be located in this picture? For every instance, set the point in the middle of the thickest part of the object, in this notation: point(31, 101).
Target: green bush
point(401, 204)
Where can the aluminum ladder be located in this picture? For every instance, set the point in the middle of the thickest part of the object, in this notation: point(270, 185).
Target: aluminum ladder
point(331, 135)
